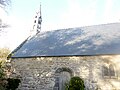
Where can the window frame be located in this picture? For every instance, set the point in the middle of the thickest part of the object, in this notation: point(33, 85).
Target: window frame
point(108, 67)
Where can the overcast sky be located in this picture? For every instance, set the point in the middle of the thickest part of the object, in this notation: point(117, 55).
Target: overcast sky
point(56, 14)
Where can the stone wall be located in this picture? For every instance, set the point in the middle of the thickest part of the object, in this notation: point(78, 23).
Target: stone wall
point(39, 73)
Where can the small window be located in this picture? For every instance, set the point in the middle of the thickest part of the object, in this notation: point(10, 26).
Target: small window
point(108, 71)
point(39, 21)
point(35, 21)
point(112, 71)
point(105, 71)
point(38, 26)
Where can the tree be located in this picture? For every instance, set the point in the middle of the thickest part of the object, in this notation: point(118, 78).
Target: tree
point(4, 53)
point(3, 5)
point(3, 25)
point(6, 83)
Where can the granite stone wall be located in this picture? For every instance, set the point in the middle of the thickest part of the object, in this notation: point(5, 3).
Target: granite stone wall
point(39, 73)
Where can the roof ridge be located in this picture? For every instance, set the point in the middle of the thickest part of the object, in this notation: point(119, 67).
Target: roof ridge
point(81, 27)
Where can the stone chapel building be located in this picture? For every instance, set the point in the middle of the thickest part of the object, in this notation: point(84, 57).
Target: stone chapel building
point(47, 60)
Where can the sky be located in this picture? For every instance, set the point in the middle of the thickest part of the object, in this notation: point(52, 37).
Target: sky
point(56, 14)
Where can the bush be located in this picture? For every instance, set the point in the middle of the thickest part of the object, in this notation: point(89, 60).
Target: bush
point(2, 73)
point(3, 57)
point(12, 83)
point(3, 84)
point(76, 83)
point(9, 84)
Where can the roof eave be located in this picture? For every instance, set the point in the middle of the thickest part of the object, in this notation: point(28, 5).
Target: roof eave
point(64, 55)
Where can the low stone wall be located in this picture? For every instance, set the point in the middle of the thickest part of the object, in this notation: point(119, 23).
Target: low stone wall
point(39, 73)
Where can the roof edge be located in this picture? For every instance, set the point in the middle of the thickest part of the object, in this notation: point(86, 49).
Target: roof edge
point(16, 49)
point(67, 56)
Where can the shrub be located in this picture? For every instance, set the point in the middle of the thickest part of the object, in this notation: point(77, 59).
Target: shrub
point(2, 74)
point(76, 83)
point(3, 57)
point(12, 83)
point(3, 84)
point(9, 84)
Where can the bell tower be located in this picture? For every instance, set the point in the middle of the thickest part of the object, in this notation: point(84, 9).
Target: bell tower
point(37, 22)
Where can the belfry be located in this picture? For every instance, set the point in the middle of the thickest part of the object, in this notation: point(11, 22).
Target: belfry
point(37, 21)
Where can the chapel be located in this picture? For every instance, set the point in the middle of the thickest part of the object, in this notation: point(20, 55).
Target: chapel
point(47, 60)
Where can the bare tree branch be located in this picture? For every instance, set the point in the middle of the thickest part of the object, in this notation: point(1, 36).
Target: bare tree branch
point(3, 26)
point(3, 5)
point(5, 2)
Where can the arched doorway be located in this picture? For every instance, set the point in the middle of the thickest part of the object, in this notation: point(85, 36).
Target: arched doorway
point(62, 76)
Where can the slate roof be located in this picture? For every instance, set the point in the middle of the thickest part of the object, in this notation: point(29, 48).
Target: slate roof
point(88, 40)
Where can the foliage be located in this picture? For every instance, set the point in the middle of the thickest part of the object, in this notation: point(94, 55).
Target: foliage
point(12, 83)
point(9, 84)
point(3, 56)
point(3, 83)
point(2, 74)
point(4, 52)
point(76, 83)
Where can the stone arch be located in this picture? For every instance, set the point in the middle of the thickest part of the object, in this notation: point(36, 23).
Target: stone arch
point(62, 76)
point(109, 71)
point(59, 70)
